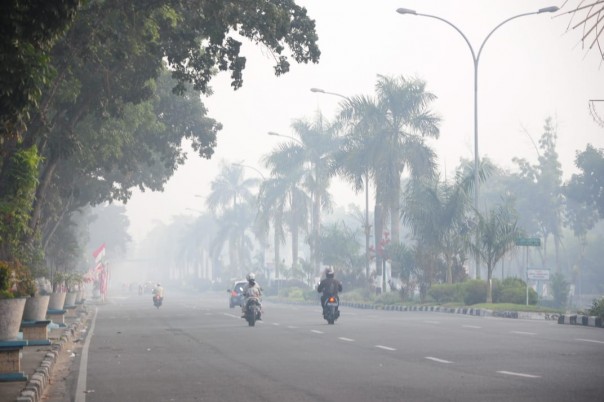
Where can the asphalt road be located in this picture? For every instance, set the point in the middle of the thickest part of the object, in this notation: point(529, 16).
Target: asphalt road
point(194, 348)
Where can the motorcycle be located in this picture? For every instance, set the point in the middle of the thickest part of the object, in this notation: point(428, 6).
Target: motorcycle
point(252, 311)
point(331, 311)
point(157, 301)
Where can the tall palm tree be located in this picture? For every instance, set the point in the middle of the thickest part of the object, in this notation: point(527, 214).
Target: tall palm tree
point(319, 141)
point(229, 191)
point(233, 227)
point(388, 131)
point(284, 199)
point(306, 163)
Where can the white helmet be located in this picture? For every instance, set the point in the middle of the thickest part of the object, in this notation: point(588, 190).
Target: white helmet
point(251, 276)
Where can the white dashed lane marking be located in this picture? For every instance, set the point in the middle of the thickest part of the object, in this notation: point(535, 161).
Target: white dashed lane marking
point(589, 340)
point(385, 347)
point(346, 339)
point(519, 374)
point(316, 331)
point(435, 359)
point(523, 333)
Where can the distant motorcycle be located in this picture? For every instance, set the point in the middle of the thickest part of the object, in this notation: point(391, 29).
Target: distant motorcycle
point(252, 311)
point(331, 310)
point(157, 301)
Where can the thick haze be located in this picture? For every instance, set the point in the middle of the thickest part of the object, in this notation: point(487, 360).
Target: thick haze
point(531, 68)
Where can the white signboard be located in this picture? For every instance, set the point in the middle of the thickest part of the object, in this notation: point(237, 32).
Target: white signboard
point(539, 274)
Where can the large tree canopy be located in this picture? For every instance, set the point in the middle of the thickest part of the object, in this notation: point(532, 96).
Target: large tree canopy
point(98, 108)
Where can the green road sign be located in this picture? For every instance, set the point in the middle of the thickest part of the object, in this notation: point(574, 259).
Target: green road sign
point(528, 241)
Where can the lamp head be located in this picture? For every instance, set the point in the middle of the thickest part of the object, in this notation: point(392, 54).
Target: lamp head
point(551, 9)
point(406, 11)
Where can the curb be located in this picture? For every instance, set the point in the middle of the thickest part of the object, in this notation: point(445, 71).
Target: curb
point(480, 312)
point(35, 387)
point(579, 319)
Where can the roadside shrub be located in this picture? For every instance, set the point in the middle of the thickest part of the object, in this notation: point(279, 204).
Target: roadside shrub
point(597, 308)
point(513, 295)
point(388, 298)
point(474, 292)
point(445, 293)
point(512, 290)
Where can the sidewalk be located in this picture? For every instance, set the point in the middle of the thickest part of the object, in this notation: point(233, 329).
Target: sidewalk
point(38, 362)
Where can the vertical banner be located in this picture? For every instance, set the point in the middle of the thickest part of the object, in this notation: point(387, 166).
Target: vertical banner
point(101, 270)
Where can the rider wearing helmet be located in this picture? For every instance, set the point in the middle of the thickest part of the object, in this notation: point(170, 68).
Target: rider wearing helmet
point(251, 289)
point(158, 291)
point(329, 286)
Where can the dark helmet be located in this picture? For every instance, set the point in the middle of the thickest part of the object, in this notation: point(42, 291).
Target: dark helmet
point(329, 272)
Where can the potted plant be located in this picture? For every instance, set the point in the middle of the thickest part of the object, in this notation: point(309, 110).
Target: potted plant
point(37, 304)
point(15, 284)
point(73, 281)
point(57, 298)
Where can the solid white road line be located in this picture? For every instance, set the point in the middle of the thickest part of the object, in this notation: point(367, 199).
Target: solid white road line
point(519, 374)
point(588, 340)
point(346, 339)
point(385, 347)
point(435, 359)
point(80, 395)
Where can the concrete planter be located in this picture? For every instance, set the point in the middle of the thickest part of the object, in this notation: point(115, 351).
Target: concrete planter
point(70, 299)
point(11, 313)
point(57, 301)
point(35, 308)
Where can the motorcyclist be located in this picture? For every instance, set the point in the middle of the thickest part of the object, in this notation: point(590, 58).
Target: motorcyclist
point(329, 286)
point(158, 291)
point(251, 290)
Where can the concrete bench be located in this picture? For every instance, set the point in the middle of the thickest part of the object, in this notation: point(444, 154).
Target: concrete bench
point(10, 361)
point(35, 332)
point(56, 316)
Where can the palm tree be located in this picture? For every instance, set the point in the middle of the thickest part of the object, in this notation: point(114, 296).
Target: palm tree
point(319, 142)
point(437, 214)
point(386, 136)
point(229, 191)
point(233, 227)
point(306, 163)
point(284, 199)
point(497, 232)
point(272, 200)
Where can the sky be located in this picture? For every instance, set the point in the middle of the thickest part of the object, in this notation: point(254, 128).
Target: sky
point(530, 68)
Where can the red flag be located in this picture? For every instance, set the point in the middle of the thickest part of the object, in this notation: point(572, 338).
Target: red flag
point(99, 253)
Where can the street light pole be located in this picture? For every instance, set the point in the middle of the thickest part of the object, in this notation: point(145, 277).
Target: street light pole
point(476, 59)
point(367, 228)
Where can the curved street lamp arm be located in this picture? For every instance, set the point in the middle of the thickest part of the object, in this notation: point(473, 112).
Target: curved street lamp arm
point(474, 57)
point(322, 91)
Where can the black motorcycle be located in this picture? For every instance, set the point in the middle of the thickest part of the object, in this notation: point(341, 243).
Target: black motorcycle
point(157, 301)
point(331, 310)
point(252, 311)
